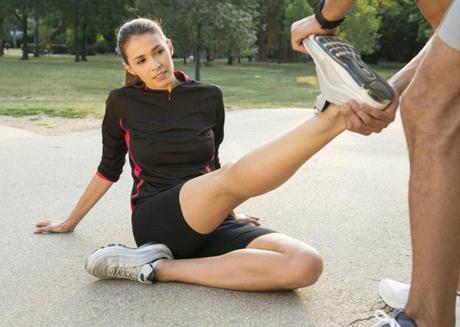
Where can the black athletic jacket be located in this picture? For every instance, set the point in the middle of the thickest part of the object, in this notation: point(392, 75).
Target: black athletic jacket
point(170, 137)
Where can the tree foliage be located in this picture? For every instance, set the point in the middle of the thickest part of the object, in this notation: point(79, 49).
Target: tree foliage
point(361, 27)
point(387, 29)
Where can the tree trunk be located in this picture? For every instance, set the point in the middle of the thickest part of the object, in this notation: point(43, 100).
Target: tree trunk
point(262, 53)
point(197, 53)
point(250, 58)
point(2, 41)
point(37, 29)
point(230, 59)
point(185, 60)
point(239, 59)
point(83, 42)
point(25, 50)
point(76, 44)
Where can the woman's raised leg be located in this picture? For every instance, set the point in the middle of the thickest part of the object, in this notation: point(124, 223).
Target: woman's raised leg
point(206, 200)
point(270, 262)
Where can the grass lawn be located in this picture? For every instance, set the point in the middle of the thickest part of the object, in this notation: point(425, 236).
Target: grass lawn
point(56, 86)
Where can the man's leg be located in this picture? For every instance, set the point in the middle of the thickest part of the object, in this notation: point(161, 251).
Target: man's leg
point(430, 109)
point(458, 285)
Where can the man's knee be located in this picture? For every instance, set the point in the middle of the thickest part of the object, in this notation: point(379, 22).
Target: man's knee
point(429, 126)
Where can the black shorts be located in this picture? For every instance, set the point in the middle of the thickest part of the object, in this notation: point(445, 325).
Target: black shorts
point(159, 219)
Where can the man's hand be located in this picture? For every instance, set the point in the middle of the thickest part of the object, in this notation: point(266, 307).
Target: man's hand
point(365, 120)
point(303, 28)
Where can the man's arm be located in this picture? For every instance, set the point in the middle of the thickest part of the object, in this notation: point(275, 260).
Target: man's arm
point(336, 9)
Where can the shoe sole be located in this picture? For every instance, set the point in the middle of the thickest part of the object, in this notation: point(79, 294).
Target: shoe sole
point(346, 77)
point(119, 254)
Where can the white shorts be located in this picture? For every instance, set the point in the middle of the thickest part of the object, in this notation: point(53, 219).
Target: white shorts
point(449, 30)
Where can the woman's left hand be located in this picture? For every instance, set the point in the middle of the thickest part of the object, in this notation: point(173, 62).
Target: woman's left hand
point(246, 219)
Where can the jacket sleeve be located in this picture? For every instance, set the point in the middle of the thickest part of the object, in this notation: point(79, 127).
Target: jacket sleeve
point(219, 129)
point(114, 148)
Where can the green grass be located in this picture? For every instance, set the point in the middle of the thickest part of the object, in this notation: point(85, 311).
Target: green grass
point(56, 86)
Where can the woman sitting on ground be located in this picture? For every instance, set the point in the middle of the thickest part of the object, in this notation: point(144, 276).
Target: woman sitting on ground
point(182, 199)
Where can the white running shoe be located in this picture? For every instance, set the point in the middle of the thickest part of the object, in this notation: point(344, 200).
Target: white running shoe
point(343, 76)
point(119, 261)
point(396, 294)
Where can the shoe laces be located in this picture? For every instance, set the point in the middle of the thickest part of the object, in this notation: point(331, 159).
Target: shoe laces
point(385, 320)
point(130, 272)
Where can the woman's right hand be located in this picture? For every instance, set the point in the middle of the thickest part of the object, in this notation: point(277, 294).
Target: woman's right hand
point(53, 226)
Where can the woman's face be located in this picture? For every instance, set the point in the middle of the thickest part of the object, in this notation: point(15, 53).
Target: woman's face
point(150, 58)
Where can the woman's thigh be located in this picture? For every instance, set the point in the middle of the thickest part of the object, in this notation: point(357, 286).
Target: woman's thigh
point(159, 220)
point(230, 236)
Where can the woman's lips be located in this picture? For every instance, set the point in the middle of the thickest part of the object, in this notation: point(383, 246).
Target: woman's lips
point(160, 76)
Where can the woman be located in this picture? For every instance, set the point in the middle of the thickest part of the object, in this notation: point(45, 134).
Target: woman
point(182, 199)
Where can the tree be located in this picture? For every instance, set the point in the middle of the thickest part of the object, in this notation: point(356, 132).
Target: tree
point(175, 18)
point(361, 26)
point(7, 10)
point(22, 11)
point(234, 32)
point(36, 12)
point(270, 27)
point(404, 31)
point(295, 10)
point(109, 15)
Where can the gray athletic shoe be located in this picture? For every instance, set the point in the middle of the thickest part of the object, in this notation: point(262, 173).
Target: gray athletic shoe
point(399, 319)
point(119, 261)
point(343, 76)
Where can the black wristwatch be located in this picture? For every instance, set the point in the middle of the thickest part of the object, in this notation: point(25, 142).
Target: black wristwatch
point(325, 24)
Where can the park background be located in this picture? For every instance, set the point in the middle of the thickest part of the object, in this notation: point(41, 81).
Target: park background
point(57, 58)
point(349, 202)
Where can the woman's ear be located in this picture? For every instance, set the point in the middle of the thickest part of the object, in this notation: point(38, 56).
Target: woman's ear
point(128, 69)
point(170, 46)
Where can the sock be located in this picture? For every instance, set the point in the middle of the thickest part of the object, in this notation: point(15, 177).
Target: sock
point(153, 265)
point(404, 320)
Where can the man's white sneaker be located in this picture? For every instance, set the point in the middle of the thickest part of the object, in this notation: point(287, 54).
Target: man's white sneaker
point(119, 261)
point(396, 294)
point(343, 76)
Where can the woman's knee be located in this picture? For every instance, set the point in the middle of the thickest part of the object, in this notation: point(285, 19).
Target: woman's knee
point(304, 267)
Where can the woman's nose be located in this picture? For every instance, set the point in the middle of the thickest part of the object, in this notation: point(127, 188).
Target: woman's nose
point(155, 64)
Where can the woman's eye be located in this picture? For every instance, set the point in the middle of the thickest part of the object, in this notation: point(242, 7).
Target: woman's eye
point(160, 51)
point(140, 62)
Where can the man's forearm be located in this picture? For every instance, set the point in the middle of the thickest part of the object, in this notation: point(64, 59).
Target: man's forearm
point(336, 9)
point(402, 78)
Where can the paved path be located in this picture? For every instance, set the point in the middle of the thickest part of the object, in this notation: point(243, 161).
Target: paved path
point(349, 201)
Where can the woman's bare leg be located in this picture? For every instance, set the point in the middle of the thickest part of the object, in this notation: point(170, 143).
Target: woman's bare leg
point(206, 200)
point(270, 262)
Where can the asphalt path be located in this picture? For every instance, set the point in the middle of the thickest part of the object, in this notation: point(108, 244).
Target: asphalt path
point(349, 201)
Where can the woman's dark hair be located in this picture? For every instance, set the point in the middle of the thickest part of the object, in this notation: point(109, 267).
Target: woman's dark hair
point(136, 26)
